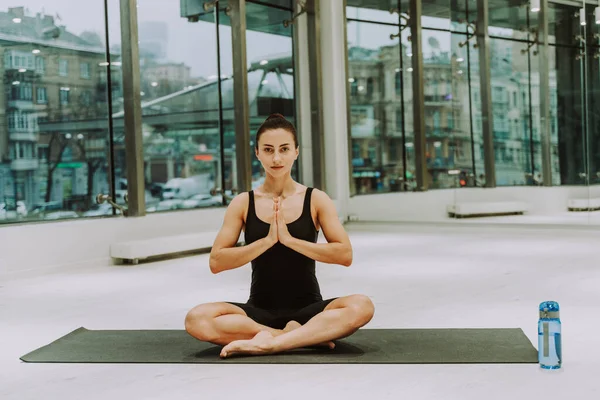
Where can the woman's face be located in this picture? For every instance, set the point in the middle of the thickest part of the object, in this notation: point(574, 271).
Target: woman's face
point(277, 151)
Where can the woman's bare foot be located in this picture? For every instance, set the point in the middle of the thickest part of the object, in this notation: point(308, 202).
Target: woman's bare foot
point(290, 326)
point(260, 344)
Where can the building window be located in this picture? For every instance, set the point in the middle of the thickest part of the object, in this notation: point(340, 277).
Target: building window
point(41, 95)
point(12, 120)
point(22, 91)
point(63, 67)
point(370, 86)
point(43, 152)
point(64, 95)
point(84, 69)
point(18, 59)
point(40, 65)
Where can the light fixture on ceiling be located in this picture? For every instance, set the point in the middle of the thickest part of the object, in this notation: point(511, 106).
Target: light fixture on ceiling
point(535, 6)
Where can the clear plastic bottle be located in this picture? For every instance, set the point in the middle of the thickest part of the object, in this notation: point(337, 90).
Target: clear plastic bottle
point(549, 336)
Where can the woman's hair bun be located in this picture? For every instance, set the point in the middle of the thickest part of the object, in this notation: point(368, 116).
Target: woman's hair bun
point(273, 116)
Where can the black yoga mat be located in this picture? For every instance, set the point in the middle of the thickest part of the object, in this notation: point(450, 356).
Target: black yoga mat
point(367, 346)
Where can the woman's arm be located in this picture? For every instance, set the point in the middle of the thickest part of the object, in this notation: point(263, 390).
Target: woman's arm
point(337, 250)
point(224, 255)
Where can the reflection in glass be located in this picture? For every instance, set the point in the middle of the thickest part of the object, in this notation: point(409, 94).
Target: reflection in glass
point(567, 108)
point(593, 90)
point(447, 114)
point(187, 99)
point(514, 144)
point(53, 85)
point(380, 108)
point(270, 72)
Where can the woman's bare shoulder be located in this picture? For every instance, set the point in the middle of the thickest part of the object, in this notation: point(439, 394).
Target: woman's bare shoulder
point(239, 205)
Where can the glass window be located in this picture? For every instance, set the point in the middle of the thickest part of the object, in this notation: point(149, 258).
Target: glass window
point(84, 70)
point(381, 122)
point(41, 95)
point(64, 95)
point(40, 65)
point(63, 67)
point(51, 167)
point(181, 109)
point(271, 73)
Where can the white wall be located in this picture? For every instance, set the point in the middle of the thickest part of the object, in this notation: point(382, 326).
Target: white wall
point(36, 246)
point(430, 206)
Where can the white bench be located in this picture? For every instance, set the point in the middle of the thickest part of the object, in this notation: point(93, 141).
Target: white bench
point(583, 204)
point(484, 209)
point(136, 250)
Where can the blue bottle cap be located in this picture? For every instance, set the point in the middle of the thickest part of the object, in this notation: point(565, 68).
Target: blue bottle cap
point(549, 306)
point(549, 309)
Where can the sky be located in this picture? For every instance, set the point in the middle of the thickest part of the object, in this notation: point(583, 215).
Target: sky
point(191, 43)
point(194, 44)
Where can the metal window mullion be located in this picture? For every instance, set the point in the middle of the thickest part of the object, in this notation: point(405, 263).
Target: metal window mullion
point(487, 120)
point(217, 11)
point(351, 183)
point(543, 49)
point(418, 96)
point(237, 15)
point(130, 66)
point(316, 114)
point(110, 154)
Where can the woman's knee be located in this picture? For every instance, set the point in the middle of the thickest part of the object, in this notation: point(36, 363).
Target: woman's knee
point(363, 309)
point(198, 321)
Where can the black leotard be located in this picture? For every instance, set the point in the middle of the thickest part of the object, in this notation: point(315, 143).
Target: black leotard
point(282, 278)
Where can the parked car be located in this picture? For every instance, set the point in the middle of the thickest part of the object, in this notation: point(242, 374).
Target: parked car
point(61, 215)
point(201, 200)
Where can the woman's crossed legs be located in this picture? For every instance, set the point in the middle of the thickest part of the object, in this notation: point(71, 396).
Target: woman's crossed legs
point(228, 325)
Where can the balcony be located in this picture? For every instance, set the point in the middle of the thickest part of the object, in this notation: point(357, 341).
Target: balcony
point(438, 132)
point(25, 105)
point(24, 164)
point(23, 136)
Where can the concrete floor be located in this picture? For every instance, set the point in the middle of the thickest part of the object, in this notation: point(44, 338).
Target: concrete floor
point(419, 276)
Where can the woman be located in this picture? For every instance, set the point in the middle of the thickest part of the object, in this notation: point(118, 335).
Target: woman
point(281, 221)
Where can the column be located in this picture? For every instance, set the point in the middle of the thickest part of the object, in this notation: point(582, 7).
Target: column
point(134, 151)
point(302, 92)
point(334, 108)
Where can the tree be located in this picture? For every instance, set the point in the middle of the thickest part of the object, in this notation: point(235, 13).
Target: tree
point(56, 148)
point(93, 163)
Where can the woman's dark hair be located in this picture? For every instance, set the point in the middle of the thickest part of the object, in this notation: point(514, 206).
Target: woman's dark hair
point(277, 121)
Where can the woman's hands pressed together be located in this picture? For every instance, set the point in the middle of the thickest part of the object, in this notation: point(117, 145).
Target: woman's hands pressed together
point(283, 234)
point(278, 231)
point(273, 236)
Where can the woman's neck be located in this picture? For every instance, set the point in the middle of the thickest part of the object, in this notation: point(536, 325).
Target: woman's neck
point(282, 187)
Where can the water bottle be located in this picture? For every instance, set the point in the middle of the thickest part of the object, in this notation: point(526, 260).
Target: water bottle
point(549, 340)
